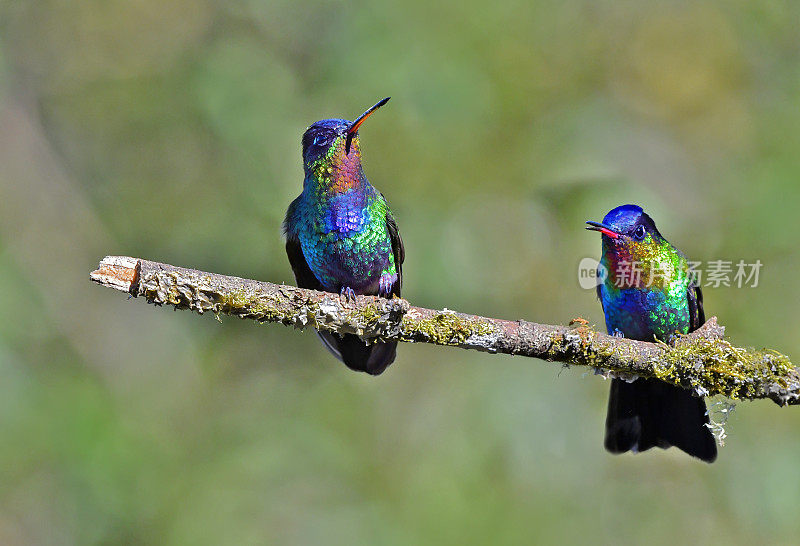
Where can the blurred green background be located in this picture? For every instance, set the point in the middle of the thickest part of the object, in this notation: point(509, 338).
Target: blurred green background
point(171, 131)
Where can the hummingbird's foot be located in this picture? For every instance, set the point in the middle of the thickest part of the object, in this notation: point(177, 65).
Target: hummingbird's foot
point(385, 285)
point(348, 293)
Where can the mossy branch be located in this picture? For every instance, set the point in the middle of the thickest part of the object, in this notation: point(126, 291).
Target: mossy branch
point(702, 361)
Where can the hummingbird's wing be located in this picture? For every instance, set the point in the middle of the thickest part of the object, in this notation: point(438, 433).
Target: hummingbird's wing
point(398, 251)
point(697, 316)
point(305, 279)
point(302, 273)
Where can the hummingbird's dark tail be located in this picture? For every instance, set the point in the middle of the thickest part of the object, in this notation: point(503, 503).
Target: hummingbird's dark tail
point(650, 413)
point(357, 355)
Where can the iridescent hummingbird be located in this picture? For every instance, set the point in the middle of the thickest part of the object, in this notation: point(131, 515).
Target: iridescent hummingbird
point(647, 295)
point(340, 234)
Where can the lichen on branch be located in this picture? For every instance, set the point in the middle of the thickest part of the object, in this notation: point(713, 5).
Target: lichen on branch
point(702, 361)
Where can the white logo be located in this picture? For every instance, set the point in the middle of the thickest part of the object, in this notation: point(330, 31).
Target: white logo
point(591, 273)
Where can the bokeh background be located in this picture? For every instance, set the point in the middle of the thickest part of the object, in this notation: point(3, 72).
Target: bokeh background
point(171, 131)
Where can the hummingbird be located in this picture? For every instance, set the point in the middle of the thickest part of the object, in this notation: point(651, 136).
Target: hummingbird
point(647, 294)
point(341, 236)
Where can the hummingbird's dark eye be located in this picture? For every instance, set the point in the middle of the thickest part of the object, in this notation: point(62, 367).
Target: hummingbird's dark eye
point(320, 140)
point(639, 233)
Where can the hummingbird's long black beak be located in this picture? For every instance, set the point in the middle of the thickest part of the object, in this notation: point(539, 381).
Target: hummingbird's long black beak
point(351, 131)
point(602, 228)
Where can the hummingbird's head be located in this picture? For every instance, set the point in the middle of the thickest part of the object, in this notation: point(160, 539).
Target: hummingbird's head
point(627, 227)
point(331, 141)
point(630, 237)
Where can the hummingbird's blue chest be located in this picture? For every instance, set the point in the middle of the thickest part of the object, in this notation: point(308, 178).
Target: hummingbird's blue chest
point(645, 314)
point(344, 238)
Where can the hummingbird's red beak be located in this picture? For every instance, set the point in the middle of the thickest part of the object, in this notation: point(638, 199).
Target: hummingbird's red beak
point(351, 131)
point(602, 228)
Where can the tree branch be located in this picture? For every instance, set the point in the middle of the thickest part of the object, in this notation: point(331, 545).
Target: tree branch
point(702, 361)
